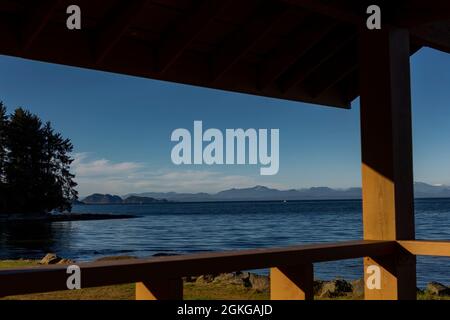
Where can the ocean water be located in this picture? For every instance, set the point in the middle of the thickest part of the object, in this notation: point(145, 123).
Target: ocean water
point(180, 228)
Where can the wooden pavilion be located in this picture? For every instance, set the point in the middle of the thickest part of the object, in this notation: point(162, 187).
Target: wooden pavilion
point(315, 51)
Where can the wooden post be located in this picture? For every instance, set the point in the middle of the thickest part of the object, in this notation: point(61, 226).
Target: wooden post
point(386, 143)
point(292, 283)
point(160, 289)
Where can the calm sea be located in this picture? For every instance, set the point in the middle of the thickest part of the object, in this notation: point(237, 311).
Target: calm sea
point(178, 228)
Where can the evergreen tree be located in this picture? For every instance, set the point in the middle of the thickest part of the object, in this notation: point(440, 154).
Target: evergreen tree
point(3, 126)
point(37, 169)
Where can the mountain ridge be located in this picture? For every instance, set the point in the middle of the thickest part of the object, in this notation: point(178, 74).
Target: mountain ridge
point(264, 193)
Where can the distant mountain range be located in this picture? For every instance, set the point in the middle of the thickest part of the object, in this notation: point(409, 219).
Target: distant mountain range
point(98, 198)
point(258, 193)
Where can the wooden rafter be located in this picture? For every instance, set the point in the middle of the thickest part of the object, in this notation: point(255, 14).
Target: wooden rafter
point(115, 28)
point(334, 9)
point(331, 44)
point(37, 22)
point(292, 49)
point(298, 59)
point(239, 44)
point(411, 14)
point(179, 39)
point(333, 71)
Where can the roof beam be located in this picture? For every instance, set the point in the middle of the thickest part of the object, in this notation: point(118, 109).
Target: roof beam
point(414, 13)
point(349, 86)
point(334, 9)
point(409, 13)
point(244, 40)
point(175, 44)
point(333, 71)
point(37, 22)
point(309, 63)
point(337, 69)
point(292, 49)
point(116, 28)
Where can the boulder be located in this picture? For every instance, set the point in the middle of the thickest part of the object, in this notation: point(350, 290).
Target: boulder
point(50, 258)
point(437, 289)
point(237, 278)
point(317, 287)
point(358, 288)
point(66, 261)
point(207, 278)
point(335, 288)
point(259, 283)
point(248, 280)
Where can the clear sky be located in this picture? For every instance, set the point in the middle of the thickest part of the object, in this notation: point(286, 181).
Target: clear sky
point(120, 127)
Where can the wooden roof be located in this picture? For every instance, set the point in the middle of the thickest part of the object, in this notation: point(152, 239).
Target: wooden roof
point(304, 50)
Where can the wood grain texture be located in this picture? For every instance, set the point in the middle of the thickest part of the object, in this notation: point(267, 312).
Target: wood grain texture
point(386, 144)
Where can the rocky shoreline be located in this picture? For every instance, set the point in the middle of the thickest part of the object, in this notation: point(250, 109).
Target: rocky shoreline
point(332, 289)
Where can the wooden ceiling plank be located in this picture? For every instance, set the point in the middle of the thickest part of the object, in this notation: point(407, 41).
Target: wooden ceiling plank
point(37, 22)
point(411, 14)
point(238, 46)
point(332, 72)
point(348, 83)
point(323, 51)
point(173, 46)
point(116, 28)
point(334, 9)
point(349, 86)
point(292, 49)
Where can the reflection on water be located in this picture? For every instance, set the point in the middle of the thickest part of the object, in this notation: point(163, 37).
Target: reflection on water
point(25, 240)
point(193, 227)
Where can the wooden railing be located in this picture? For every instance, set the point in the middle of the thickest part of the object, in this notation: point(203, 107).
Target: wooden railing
point(161, 277)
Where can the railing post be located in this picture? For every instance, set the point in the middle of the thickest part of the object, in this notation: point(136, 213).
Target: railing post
point(387, 169)
point(292, 283)
point(160, 289)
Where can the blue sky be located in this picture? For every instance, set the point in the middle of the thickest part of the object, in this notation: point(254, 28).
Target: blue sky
point(121, 126)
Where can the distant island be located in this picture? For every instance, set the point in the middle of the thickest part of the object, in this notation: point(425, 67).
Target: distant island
point(257, 193)
point(98, 198)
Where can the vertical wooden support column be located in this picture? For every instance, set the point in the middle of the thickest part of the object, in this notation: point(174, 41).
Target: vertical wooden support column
point(292, 283)
point(386, 143)
point(160, 289)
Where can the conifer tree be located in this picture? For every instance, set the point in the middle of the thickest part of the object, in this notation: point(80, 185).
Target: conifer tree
point(37, 176)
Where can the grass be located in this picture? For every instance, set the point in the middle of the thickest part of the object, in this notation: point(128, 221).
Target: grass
point(192, 290)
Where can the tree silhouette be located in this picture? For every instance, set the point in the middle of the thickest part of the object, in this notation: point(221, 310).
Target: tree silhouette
point(35, 166)
point(3, 128)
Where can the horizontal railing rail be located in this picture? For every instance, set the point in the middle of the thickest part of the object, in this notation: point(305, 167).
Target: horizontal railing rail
point(95, 274)
point(437, 248)
point(160, 277)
